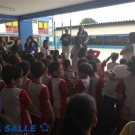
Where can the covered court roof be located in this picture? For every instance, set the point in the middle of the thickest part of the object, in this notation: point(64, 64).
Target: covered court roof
point(27, 9)
point(101, 23)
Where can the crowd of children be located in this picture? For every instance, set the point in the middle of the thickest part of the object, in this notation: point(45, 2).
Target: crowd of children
point(36, 88)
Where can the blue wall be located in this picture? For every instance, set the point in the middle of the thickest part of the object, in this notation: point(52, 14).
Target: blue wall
point(25, 30)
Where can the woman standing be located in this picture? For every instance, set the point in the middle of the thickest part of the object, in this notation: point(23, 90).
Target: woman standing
point(45, 48)
point(129, 50)
point(74, 54)
point(29, 46)
point(17, 47)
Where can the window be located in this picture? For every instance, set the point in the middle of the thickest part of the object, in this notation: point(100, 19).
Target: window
point(43, 27)
point(12, 27)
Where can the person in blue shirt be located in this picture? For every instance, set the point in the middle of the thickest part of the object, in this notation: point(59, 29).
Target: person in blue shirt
point(29, 46)
point(17, 47)
point(33, 41)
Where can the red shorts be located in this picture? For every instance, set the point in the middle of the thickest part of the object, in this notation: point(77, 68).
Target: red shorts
point(39, 121)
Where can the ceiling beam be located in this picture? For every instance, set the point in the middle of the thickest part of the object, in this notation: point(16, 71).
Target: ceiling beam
point(8, 17)
point(75, 8)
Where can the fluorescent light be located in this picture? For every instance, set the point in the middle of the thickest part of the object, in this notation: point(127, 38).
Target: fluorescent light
point(7, 8)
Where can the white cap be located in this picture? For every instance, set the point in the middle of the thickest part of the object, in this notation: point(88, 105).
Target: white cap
point(120, 71)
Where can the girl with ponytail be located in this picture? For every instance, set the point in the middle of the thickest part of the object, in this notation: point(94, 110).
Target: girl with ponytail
point(80, 116)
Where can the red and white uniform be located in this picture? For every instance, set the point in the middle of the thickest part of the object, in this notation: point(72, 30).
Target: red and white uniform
point(38, 93)
point(25, 83)
point(46, 80)
point(59, 93)
point(2, 85)
point(15, 101)
point(68, 74)
point(82, 86)
point(126, 87)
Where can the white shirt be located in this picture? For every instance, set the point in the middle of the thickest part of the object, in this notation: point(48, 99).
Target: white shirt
point(129, 55)
point(46, 51)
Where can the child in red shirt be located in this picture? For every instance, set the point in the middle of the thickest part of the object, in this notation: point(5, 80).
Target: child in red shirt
point(68, 74)
point(94, 53)
point(15, 101)
point(39, 94)
point(59, 93)
point(46, 79)
point(26, 68)
point(83, 83)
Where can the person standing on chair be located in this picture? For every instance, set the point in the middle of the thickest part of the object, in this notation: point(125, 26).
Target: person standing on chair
point(66, 38)
point(83, 35)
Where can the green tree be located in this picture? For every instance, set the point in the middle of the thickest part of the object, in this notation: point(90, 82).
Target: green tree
point(87, 20)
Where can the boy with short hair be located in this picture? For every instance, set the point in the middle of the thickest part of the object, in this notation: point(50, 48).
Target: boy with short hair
point(68, 74)
point(112, 64)
point(46, 79)
point(26, 68)
point(39, 94)
point(59, 93)
point(15, 100)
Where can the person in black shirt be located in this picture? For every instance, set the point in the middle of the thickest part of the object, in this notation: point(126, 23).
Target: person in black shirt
point(66, 38)
point(83, 35)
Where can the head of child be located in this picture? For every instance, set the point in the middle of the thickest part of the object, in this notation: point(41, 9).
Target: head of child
point(46, 63)
point(89, 57)
point(131, 65)
point(37, 69)
point(80, 61)
point(13, 59)
point(95, 66)
point(41, 55)
point(114, 57)
point(25, 67)
point(82, 53)
point(12, 76)
point(51, 52)
point(66, 64)
point(123, 61)
point(80, 116)
point(56, 55)
point(56, 70)
point(84, 70)
point(98, 62)
point(64, 57)
point(49, 57)
point(30, 58)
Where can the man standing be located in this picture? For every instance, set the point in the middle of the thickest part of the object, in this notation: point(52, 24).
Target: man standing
point(66, 38)
point(83, 35)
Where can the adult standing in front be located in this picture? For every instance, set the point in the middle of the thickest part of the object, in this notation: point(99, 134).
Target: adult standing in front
point(66, 38)
point(2, 44)
point(83, 35)
point(129, 50)
point(17, 47)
